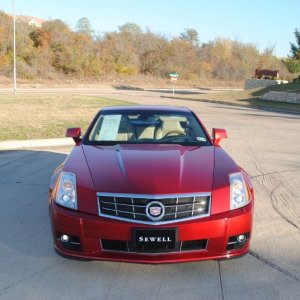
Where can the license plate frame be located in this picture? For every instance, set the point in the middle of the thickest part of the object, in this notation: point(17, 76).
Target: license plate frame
point(155, 239)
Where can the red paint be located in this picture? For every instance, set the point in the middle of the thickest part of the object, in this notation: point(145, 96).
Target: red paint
point(218, 135)
point(74, 133)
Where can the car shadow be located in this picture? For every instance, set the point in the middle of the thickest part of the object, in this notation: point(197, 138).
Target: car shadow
point(127, 87)
point(283, 115)
point(251, 103)
point(177, 92)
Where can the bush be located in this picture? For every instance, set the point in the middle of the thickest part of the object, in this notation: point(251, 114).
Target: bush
point(293, 65)
point(297, 79)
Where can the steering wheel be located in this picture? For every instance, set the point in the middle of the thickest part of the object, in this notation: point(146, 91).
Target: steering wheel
point(177, 132)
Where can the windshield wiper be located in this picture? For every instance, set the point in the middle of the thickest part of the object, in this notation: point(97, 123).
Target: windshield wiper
point(183, 140)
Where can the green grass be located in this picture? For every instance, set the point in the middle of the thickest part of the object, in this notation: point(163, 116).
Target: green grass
point(33, 116)
point(248, 98)
point(288, 87)
point(26, 116)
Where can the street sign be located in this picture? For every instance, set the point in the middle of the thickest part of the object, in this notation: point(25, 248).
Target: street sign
point(174, 75)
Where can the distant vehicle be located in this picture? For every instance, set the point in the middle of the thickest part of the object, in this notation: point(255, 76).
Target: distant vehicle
point(148, 184)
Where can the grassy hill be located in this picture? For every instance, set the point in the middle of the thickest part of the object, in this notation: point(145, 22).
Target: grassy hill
point(248, 98)
point(289, 87)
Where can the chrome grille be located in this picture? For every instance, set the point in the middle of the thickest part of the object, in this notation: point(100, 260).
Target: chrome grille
point(132, 208)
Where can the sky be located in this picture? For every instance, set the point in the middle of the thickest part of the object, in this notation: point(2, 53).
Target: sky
point(264, 23)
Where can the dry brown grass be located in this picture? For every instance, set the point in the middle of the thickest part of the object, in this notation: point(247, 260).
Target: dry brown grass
point(47, 115)
point(139, 81)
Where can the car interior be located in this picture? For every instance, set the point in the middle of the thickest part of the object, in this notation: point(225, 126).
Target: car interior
point(143, 127)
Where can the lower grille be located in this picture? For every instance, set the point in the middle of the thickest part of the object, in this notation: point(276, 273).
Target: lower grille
point(127, 246)
point(154, 209)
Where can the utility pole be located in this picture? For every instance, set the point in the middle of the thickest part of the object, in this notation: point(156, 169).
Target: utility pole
point(15, 68)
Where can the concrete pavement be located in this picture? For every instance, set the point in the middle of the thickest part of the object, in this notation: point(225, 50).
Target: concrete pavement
point(21, 144)
point(266, 144)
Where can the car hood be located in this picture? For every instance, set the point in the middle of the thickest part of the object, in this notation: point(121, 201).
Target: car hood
point(150, 169)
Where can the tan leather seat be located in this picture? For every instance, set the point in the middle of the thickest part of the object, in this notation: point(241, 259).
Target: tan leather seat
point(145, 132)
point(169, 127)
point(126, 130)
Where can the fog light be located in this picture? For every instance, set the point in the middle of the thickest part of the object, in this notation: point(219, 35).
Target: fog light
point(242, 238)
point(64, 238)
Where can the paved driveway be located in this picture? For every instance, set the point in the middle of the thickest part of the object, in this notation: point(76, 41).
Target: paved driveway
point(266, 144)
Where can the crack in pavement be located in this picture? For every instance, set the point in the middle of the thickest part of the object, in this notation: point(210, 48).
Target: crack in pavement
point(221, 283)
point(258, 169)
point(112, 282)
point(273, 198)
point(274, 266)
point(22, 183)
point(272, 191)
point(272, 173)
point(16, 160)
point(15, 284)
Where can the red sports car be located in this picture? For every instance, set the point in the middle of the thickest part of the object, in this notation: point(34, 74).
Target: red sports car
point(148, 184)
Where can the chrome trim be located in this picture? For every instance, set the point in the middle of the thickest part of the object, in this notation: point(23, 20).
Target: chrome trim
point(170, 205)
point(154, 197)
point(231, 243)
point(115, 205)
point(181, 246)
point(133, 210)
point(154, 253)
point(148, 214)
point(193, 206)
point(106, 202)
point(123, 211)
point(176, 208)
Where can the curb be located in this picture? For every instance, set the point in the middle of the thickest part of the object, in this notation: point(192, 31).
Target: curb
point(20, 144)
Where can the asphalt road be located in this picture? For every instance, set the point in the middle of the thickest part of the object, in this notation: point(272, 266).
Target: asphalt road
point(266, 144)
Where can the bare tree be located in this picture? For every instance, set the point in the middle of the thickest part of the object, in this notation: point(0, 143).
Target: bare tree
point(190, 35)
point(83, 26)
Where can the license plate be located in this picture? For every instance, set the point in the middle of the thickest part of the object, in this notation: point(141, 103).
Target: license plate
point(146, 240)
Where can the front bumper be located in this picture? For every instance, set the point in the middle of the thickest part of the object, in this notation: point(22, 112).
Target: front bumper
point(89, 231)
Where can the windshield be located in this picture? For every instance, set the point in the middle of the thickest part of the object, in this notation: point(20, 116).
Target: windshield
point(147, 127)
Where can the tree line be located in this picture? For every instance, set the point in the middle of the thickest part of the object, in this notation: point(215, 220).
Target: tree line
point(293, 61)
point(55, 51)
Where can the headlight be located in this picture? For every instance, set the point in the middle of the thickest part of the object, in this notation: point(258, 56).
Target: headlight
point(239, 195)
point(66, 194)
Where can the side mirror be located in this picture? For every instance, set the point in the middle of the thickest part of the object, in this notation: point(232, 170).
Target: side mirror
point(218, 134)
point(74, 133)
